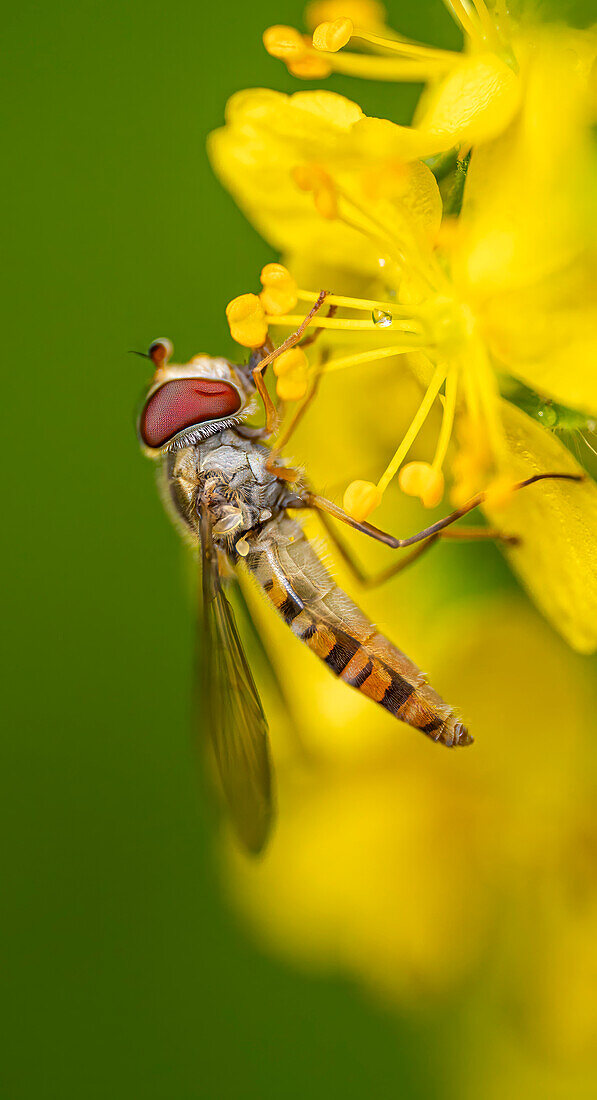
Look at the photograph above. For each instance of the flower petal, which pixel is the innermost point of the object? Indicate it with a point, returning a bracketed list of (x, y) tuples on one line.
[(473, 104), (268, 134), (557, 523), (526, 256)]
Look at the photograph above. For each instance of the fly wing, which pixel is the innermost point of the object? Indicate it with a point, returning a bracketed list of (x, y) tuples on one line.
[(235, 718)]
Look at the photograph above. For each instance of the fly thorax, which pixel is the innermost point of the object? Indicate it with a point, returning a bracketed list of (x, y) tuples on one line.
[(239, 490)]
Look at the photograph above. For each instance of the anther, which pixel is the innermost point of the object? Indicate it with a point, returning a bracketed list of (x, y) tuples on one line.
[(360, 499), (311, 177), (310, 66), (291, 370), (285, 43), (333, 35), (279, 294), (246, 317), (420, 479)]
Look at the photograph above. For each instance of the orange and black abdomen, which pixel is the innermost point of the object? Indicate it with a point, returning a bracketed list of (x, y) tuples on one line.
[(318, 612)]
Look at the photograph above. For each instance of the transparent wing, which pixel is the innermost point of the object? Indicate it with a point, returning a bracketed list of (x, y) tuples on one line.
[(234, 716)]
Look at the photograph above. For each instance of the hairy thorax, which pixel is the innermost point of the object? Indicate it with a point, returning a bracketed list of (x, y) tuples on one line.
[(229, 475)]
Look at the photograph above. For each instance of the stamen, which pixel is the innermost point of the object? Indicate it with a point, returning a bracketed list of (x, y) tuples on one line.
[(247, 320), (422, 68), (332, 36), (311, 177), (291, 370), (346, 324), (310, 66), (485, 19), (360, 499), (279, 294), (417, 422), (283, 42), (419, 479), (488, 396), (368, 357), (447, 419), (460, 11), (368, 305)]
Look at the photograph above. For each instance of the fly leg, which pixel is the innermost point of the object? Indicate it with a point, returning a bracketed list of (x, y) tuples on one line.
[(373, 581), (258, 370), (313, 500), (364, 579), (299, 413)]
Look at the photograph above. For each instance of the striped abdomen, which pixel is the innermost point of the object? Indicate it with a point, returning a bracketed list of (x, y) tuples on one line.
[(287, 568)]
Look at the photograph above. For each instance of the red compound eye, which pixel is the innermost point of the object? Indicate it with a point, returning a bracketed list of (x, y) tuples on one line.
[(183, 402)]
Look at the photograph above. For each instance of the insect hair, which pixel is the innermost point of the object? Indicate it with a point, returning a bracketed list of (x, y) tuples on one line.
[(200, 432)]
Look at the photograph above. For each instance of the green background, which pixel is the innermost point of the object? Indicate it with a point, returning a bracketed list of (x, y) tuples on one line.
[(125, 974)]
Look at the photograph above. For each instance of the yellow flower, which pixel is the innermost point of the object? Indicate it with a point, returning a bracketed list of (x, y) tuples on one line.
[(424, 876), (505, 288), (277, 152), (471, 96)]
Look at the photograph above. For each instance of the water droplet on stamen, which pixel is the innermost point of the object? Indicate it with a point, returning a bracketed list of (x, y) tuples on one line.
[(381, 317)]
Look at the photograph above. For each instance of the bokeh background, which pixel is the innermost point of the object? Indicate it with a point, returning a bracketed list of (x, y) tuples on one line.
[(130, 969)]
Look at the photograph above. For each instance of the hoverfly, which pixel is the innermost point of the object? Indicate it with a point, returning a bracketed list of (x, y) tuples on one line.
[(223, 489)]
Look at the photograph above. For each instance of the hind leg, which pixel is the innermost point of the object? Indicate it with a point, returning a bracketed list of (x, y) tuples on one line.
[(313, 500), (373, 581)]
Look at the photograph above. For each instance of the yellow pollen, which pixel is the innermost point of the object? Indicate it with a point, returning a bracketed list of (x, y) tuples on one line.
[(247, 320), (283, 42), (332, 36), (279, 294), (419, 479), (360, 499)]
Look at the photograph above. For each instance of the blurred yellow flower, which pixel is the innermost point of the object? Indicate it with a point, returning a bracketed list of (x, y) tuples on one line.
[(426, 876)]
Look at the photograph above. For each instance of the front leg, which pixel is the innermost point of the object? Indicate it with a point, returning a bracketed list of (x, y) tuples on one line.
[(271, 416)]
